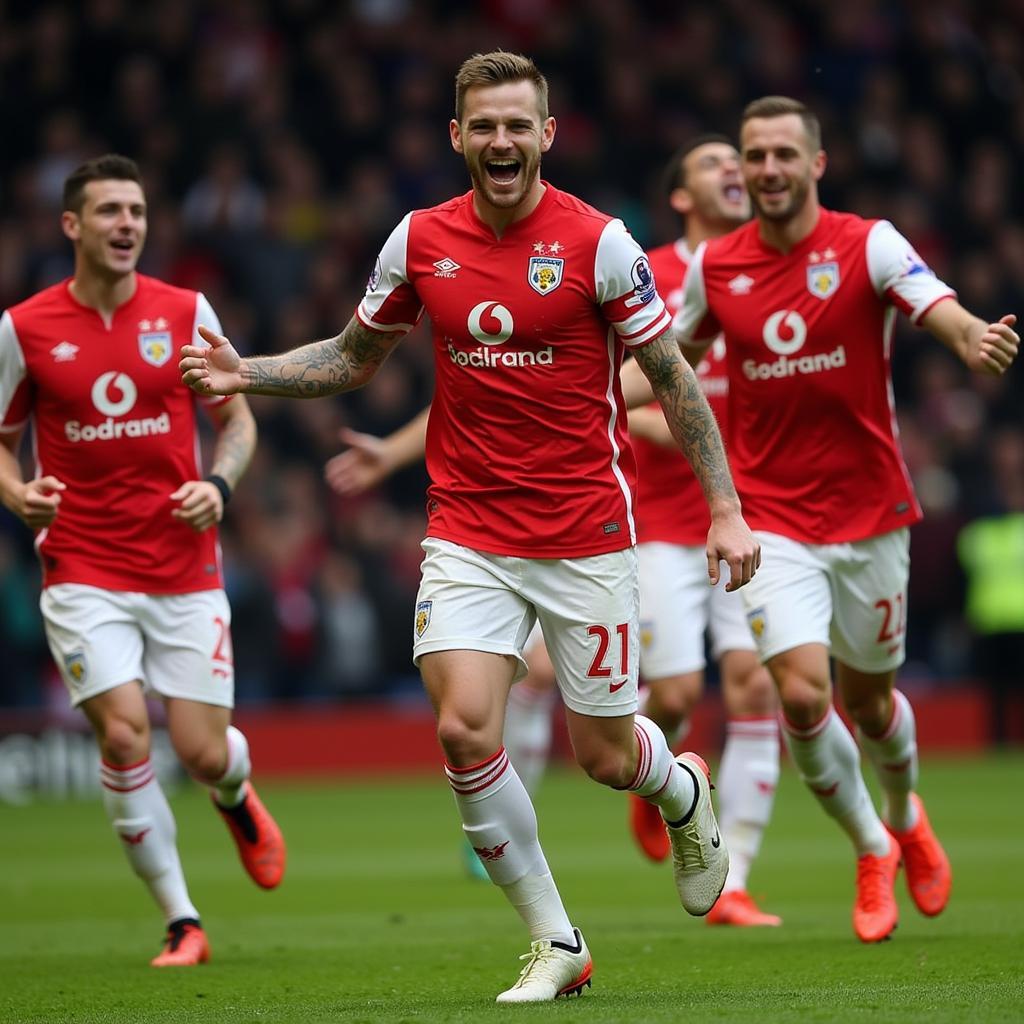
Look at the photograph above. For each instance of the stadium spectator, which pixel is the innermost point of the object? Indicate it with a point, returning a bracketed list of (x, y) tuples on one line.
[(805, 298), (127, 538), (510, 540)]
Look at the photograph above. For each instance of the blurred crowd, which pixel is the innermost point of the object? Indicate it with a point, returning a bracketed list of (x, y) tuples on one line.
[(281, 141)]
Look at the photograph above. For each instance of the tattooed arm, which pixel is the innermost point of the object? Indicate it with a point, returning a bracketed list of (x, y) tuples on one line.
[(236, 439), (693, 425), (327, 367)]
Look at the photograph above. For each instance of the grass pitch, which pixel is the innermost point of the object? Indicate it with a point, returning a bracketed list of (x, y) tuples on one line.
[(376, 920)]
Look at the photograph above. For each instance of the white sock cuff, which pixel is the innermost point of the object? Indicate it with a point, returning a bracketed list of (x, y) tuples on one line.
[(753, 726), (902, 713), (126, 778), (654, 759), (809, 732), (479, 780), (239, 766)]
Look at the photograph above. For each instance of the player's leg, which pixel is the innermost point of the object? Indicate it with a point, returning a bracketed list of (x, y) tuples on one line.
[(748, 774), (97, 645), (528, 727), (471, 626), (589, 610), (673, 615), (868, 644), (188, 662), (790, 610)]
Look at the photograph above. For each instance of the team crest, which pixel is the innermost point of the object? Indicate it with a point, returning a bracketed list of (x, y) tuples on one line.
[(155, 347), (74, 665), (545, 273), (423, 610), (646, 634), (823, 279), (757, 621)]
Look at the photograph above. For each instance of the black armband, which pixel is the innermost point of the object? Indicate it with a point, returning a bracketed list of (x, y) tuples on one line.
[(222, 485)]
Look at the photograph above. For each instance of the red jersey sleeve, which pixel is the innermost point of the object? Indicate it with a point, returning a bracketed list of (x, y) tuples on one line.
[(391, 303)]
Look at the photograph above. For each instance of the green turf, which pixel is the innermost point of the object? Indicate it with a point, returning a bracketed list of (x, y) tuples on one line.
[(376, 921)]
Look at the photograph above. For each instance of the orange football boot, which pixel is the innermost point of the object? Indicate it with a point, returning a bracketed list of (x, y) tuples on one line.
[(259, 840), (737, 907), (185, 945), (874, 911), (648, 827), (929, 876)]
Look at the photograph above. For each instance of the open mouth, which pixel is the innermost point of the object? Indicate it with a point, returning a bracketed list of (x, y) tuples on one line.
[(733, 193), (502, 172), (122, 244)]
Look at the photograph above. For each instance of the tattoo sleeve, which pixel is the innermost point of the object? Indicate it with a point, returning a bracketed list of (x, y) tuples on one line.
[(689, 416), (236, 440), (327, 367)]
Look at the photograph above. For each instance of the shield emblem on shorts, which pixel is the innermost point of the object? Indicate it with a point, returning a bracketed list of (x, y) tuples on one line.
[(646, 635), (74, 665), (823, 279), (545, 273), (757, 621), (423, 616), (155, 347)]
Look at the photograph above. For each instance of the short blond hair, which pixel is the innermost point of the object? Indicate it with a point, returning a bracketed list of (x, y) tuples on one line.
[(496, 68), (779, 106)]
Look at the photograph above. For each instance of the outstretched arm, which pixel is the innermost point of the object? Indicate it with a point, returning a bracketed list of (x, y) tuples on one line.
[(984, 348), (328, 367), (369, 460), (693, 425)]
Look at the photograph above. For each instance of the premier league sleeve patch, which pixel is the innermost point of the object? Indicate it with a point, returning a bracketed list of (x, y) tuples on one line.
[(545, 273)]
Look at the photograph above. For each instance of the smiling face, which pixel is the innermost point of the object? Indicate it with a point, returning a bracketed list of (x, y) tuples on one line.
[(109, 229), (713, 191), (780, 167), (502, 136)]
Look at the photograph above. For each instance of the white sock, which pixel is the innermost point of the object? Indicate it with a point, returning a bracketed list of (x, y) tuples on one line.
[(142, 819), (501, 825), (527, 733), (658, 778), (230, 788), (829, 763), (894, 756), (747, 779)]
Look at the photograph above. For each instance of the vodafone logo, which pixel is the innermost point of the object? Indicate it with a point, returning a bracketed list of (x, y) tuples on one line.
[(790, 323), (114, 394), (113, 383), (497, 316)]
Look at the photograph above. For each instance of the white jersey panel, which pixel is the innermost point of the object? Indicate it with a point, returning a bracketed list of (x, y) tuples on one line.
[(897, 271), (390, 274), (12, 368), (694, 306)]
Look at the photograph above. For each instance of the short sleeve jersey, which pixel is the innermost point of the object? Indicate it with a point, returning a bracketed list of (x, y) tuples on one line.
[(808, 335), (113, 422), (671, 507), (527, 448)]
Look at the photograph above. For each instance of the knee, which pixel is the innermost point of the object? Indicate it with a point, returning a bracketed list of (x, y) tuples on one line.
[(463, 740), (753, 694), (672, 702), (872, 711), (608, 766), (804, 701), (123, 741), (207, 762)]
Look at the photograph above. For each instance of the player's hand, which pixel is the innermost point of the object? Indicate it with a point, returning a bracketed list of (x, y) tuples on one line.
[(214, 370), (362, 466), (201, 504), (730, 541), (37, 501), (998, 347)]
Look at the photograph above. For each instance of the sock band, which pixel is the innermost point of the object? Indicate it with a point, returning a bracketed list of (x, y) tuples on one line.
[(478, 777), (126, 779)]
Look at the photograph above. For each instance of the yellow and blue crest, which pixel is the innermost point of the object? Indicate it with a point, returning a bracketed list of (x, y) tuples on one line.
[(545, 273)]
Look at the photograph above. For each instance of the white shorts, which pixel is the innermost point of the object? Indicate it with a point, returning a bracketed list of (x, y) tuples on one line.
[(178, 645), (588, 609), (851, 597), (677, 604)]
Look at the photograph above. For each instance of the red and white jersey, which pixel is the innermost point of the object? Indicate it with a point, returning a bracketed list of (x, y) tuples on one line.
[(527, 447), (113, 422), (812, 426), (671, 507)]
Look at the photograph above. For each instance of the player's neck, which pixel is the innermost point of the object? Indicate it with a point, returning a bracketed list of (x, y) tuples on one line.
[(102, 292), (499, 218), (786, 235)]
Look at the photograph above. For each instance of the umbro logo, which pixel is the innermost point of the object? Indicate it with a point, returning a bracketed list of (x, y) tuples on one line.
[(446, 267), (741, 285), (65, 352)]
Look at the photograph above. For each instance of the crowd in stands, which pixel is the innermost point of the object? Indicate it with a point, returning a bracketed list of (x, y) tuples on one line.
[(280, 143)]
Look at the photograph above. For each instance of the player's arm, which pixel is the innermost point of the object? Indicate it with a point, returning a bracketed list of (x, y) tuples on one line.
[(202, 501), (984, 348), (34, 502), (693, 425), (328, 367), (369, 460)]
